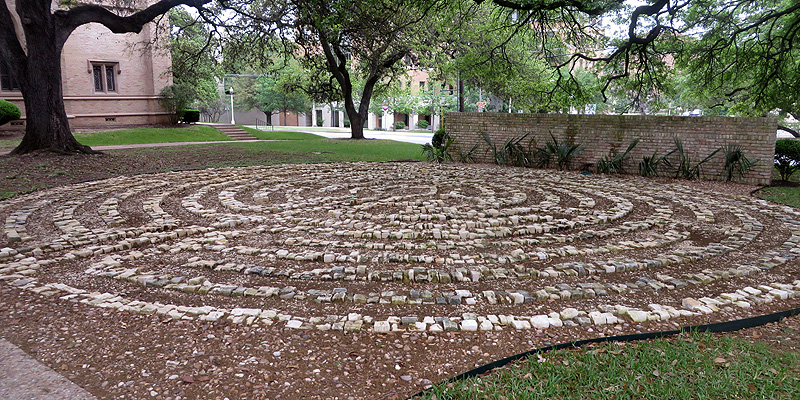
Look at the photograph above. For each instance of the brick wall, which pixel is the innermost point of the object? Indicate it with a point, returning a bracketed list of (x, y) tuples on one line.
[(601, 134)]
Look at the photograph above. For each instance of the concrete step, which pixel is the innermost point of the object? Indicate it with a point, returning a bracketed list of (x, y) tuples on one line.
[(234, 132)]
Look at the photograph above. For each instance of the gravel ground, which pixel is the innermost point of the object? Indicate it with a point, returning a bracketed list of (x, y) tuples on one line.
[(114, 352)]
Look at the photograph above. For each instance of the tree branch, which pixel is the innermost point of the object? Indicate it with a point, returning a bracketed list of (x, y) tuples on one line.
[(790, 130), (68, 20), (11, 51), (586, 7)]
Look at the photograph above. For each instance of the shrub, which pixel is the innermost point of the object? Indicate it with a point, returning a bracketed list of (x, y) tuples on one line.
[(439, 138), (736, 163), (8, 112), (174, 99), (320, 122), (347, 123), (399, 125), (423, 124), (190, 115), (437, 149), (787, 157)]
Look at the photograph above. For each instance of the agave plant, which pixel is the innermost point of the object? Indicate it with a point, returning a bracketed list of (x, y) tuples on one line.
[(736, 163), (613, 163), (497, 155), (684, 168), (469, 155), (563, 151), (515, 153)]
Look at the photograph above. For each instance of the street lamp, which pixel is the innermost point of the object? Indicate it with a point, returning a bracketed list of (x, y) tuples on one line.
[(233, 119)]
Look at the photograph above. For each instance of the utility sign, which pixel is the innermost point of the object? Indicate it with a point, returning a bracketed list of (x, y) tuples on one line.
[(385, 107), (481, 105)]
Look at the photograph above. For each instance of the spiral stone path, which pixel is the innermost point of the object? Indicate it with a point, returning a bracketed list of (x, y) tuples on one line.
[(398, 247)]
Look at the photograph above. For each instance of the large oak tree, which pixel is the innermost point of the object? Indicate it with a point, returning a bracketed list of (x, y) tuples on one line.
[(32, 36)]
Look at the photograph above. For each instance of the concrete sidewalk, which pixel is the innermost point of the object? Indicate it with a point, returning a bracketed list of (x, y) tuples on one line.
[(24, 378)]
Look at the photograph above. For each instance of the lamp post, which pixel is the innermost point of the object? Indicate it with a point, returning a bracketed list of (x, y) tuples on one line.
[(233, 119)]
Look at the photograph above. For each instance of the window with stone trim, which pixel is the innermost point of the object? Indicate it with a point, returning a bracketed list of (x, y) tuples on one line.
[(104, 76), (7, 82)]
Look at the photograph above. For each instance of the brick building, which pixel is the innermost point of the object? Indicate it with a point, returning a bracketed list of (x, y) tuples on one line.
[(109, 80)]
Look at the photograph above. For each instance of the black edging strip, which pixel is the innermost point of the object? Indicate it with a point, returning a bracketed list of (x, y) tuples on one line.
[(729, 326)]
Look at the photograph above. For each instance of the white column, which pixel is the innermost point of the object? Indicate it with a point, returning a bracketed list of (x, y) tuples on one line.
[(371, 118), (388, 120), (412, 121)]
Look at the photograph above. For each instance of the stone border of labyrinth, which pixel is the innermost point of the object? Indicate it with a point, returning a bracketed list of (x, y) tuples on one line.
[(521, 236)]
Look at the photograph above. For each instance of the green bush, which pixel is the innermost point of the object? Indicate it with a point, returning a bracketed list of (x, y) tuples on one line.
[(190, 115), (399, 125), (787, 157), (423, 124), (8, 112), (439, 138), (320, 122), (174, 99)]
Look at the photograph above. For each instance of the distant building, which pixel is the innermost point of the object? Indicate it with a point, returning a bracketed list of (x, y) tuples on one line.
[(110, 80)]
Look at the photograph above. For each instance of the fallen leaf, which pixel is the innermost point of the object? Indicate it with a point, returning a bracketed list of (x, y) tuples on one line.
[(187, 379), (527, 376), (720, 360), (751, 387), (773, 371), (656, 373)]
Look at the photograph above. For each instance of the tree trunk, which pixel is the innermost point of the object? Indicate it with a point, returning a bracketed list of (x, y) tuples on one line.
[(39, 77), (460, 94), (356, 126), (46, 124)]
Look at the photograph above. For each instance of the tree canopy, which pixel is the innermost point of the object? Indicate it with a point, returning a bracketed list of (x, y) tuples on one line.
[(741, 53)]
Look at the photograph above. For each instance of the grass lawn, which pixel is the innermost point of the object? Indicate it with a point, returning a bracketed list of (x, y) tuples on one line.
[(696, 366), (195, 133), (321, 149), (25, 174), (788, 195)]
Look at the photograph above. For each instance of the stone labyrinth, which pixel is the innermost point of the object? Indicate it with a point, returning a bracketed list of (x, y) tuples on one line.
[(402, 247)]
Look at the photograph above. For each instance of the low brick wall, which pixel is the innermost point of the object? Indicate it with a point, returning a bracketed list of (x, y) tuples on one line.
[(601, 134)]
